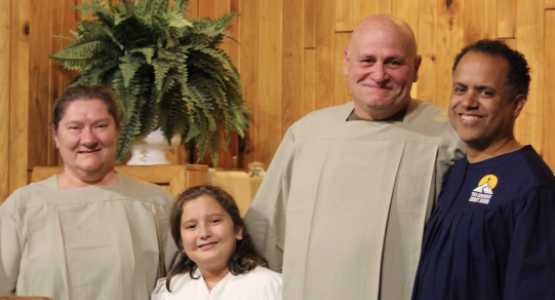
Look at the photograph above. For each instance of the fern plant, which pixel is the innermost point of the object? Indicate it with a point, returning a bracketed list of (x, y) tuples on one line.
[(166, 71)]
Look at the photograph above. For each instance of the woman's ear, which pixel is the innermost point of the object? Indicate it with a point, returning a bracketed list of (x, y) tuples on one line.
[(239, 233)]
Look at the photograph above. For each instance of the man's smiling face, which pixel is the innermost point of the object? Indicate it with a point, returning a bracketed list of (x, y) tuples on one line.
[(480, 110)]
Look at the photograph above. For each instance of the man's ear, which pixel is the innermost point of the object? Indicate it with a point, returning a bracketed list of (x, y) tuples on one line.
[(518, 104), (346, 65), (417, 62)]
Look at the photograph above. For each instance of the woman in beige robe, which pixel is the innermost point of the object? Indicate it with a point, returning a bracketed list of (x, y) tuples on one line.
[(88, 233)]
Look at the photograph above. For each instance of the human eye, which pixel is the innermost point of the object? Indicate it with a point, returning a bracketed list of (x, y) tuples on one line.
[(189, 226), (488, 93), (215, 221), (457, 89), (394, 63)]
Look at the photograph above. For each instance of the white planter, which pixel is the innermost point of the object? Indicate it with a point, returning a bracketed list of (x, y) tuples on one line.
[(151, 149)]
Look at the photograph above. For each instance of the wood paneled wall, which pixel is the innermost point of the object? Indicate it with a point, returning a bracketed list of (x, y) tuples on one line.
[(290, 55)]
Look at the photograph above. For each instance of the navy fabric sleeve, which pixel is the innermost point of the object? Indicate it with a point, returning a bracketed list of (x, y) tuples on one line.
[(531, 265)]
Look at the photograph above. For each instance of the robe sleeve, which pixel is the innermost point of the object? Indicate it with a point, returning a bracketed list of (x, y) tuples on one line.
[(10, 253), (265, 219), (531, 265)]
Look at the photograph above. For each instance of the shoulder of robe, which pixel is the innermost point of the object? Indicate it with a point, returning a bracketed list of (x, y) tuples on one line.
[(11, 204), (321, 119), (145, 190), (433, 121)]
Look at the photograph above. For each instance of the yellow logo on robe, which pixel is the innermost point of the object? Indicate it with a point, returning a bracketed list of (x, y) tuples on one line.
[(484, 191)]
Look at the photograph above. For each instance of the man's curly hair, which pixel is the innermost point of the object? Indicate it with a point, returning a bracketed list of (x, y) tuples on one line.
[(517, 80)]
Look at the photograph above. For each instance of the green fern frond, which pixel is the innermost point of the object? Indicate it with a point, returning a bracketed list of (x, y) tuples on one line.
[(165, 70), (147, 52), (129, 66)]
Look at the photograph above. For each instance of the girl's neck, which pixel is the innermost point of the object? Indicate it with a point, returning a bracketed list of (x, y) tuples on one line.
[(213, 277)]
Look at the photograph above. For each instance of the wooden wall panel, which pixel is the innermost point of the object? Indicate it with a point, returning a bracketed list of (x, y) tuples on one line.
[(19, 94), (325, 66), (342, 93), (290, 59), (270, 80), (309, 29), (506, 18), (248, 66), (346, 14), (309, 95), (490, 23), (426, 42), (40, 147), (473, 21), (530, 41), (292, 62), (549, 104), (450, 40), (5, 39)]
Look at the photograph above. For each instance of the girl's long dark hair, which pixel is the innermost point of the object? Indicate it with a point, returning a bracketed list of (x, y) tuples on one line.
[(244, 259)]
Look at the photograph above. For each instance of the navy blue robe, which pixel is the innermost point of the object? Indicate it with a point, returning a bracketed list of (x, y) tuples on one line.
[(492, 234)]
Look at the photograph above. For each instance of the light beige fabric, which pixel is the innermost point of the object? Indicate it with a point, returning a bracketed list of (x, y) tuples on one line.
[(343, 205), (101, 242)]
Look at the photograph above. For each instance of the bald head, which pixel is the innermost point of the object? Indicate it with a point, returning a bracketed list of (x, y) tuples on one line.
[(381, 64), (386, 23)]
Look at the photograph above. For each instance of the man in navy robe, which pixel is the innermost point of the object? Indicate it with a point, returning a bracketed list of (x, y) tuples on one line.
[(492, 234)]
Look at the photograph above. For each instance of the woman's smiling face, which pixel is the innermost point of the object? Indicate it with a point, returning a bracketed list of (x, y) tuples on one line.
[(87, 139)]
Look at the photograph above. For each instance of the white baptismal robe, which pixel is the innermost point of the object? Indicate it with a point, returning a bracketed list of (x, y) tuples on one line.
[(258, 284)]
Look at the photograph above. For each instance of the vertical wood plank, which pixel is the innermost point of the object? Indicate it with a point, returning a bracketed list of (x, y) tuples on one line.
[(405, 9), (342, 94), (549, 4), (506, 15), (548, 104), (346, 14), (530, 42), (308, 81), (368, 8), (5, 40), (192, 11), (206, 8), (426, 41), (248, 66), (19, 94), (270, 80), (449, 42), (490, 19), (39, 85), (222, 7), (325, 65), (385, 6), (292, 61), (473, 21), (309, 28)]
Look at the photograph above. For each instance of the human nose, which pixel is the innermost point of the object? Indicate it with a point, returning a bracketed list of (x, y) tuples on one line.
[(379, 73), (469, 100), (205, 232), (88, 137)]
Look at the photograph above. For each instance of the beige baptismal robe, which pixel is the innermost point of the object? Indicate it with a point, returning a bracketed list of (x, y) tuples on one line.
[(99, 242), (342, 208)]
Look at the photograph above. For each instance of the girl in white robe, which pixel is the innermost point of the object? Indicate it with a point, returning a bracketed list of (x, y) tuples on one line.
[(216, 258)]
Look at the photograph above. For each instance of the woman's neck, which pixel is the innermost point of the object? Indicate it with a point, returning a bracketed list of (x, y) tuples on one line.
[(67, 180), (213, 277)]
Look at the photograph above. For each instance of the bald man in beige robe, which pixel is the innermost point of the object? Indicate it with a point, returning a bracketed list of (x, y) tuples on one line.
[(342, 208)]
